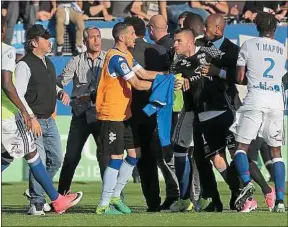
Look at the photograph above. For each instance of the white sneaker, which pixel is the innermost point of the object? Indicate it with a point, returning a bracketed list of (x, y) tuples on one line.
[(36, 209), (279, 208), (46, 206)]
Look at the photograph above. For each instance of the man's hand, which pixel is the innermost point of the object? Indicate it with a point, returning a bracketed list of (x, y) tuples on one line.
[(36, 127), (64, 98), (186, 85), (53, 11), (210, 70), (27, 120), (178, 83)]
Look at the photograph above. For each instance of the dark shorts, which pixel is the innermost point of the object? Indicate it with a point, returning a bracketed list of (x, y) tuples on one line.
[(116, 136), (216, 134)]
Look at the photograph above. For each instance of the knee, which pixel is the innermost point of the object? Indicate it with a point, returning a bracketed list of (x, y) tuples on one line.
[(276, 152), (219, 162), (135, 153), (243, 147), (31, 155)]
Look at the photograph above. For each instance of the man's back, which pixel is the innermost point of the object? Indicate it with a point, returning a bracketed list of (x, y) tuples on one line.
[(265, 59)]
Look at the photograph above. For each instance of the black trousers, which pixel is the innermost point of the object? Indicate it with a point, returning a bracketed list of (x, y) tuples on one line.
[(147, 164), (205, 168), (78, 135)]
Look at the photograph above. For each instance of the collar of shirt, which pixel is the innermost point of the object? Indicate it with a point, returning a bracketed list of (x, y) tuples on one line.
[(218, 42), (164, 38), (101, 56)]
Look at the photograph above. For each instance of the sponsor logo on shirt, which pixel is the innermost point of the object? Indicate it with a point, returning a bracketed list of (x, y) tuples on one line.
[(266, 87), (124, 68)]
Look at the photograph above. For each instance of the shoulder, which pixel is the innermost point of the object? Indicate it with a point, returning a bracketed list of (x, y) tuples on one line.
[(8, 50), (230, 45), (22, 65)]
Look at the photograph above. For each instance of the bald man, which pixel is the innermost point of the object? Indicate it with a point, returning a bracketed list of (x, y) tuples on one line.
[(158, 32), (157, 28)]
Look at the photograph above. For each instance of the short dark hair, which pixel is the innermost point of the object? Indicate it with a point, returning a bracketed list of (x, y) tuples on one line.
[(194, 22), (265, 22), (180, 30), (138, 25), (118, 29), (184, 14)]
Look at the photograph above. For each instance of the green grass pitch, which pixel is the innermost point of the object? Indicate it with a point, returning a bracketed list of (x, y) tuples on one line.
[(14, 207)]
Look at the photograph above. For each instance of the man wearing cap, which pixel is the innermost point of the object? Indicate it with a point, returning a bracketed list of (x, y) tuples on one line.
[(35, 81)]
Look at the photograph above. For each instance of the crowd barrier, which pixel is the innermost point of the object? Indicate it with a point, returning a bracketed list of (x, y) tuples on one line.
[(88, 169)]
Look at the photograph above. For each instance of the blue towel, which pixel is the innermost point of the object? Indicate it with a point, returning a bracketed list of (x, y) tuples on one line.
[(161, 102)]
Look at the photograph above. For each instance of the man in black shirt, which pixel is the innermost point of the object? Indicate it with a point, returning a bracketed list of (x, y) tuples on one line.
[(206, 96), (151, 57), (157, 28)]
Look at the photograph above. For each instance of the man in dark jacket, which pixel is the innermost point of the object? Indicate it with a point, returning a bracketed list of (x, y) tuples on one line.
[(151, 57)]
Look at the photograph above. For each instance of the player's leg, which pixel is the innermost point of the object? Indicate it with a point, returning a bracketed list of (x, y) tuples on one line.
[(6, 159), (131, 144), (112, 140), (217, 136), (26, 148), (209, 192), (256, 174), (182, 138), (245, 129), (267, 159), (273, 135)]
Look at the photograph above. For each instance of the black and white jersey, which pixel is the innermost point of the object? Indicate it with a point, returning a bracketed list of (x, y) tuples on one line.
[(206, 92)]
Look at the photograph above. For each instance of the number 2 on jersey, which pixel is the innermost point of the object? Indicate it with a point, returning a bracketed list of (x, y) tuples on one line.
[(272, 64)]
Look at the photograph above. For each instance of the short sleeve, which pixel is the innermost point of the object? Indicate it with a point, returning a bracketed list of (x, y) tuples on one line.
[(243, 55), (136, 66), (118, 66), (9, 59)]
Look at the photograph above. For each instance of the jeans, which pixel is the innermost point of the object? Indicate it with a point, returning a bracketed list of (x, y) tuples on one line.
[(173, 12), (50, 151)]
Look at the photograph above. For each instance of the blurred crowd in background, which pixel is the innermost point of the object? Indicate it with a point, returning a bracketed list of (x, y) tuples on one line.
[(76, 12)]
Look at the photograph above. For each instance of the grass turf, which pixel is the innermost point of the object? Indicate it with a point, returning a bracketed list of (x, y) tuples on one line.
[(14, 207)]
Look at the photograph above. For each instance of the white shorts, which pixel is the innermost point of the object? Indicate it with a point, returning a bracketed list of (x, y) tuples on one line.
[(183, 133), (267, 124), (16, 139)]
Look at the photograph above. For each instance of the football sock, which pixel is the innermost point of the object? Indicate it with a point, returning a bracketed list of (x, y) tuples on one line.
[(279, 177), (258, 177), (182, 169), (109, 181), (125, 173), (242, 166), (39, 172)]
